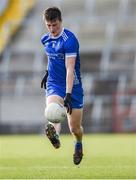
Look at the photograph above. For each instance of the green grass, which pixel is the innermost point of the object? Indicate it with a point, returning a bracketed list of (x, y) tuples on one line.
[(33, 157)]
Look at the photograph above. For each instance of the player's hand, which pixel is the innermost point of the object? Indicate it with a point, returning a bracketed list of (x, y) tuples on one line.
[(44, 80), (67, 103)]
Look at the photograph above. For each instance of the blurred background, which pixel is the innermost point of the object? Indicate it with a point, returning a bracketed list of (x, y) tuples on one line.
[(106, 30)]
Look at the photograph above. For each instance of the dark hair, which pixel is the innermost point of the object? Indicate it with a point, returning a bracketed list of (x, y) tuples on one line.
[(52, 14)]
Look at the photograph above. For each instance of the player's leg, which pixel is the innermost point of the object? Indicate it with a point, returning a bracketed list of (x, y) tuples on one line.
[(53, 129), (76, 129), (75, 123)]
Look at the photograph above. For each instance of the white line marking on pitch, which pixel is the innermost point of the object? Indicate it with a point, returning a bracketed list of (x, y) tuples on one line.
[(64, 167)]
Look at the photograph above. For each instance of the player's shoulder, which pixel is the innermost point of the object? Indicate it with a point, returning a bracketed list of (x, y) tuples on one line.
[(45, 38), (67, 34)]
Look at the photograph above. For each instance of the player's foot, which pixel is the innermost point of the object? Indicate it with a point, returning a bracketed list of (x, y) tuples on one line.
[(78, 154), (52, 135)]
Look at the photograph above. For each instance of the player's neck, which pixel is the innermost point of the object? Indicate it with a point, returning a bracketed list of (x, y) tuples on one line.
[(59, 33)]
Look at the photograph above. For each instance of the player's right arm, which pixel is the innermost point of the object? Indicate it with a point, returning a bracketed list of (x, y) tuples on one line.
[(44, 39)]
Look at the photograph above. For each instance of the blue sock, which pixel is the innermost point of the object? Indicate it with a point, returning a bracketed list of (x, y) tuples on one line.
[(78, 145)]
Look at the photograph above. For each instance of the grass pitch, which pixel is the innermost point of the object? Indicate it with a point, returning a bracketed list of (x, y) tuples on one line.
[(33, 157)]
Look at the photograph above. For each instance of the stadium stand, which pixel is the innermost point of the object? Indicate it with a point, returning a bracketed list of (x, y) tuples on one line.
[(107, 33), (11, 19)]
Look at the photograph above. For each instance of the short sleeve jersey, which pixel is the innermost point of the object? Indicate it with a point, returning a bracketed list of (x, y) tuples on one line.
[(57, 50)]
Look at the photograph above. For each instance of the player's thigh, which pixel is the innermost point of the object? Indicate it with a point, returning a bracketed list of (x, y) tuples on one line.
[(54, 98), (75, 119)]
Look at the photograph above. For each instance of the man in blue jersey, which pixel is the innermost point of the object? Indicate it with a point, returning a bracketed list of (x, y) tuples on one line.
[(62, 79)]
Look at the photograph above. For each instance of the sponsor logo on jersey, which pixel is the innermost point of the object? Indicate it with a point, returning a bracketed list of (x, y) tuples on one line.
[(55, 56)]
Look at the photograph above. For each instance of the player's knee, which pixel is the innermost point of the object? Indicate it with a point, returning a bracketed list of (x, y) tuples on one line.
[(74, 130)]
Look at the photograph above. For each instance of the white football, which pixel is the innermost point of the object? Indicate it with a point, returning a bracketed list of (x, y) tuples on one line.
[(55, 113)]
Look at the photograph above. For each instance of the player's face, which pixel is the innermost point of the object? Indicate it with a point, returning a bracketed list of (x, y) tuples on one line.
[(54, 27)]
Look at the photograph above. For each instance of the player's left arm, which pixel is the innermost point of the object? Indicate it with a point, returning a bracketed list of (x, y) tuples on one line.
[(70, 66), (71, 49)]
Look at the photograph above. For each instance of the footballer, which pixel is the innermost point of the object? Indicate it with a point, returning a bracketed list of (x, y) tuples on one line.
[(62, 81)]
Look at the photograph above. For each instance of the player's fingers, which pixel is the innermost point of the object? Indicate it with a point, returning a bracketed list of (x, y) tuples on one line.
[(70, 110), (44, 85), (41, 84), (65, 104), (67, 109)]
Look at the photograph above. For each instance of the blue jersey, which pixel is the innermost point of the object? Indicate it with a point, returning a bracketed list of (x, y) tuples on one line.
[(58, 49)]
